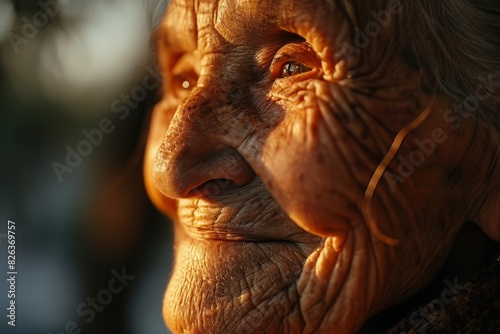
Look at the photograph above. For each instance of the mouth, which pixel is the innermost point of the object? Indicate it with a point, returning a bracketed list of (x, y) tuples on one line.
[(249, 215), (211, 222), (236, 238)]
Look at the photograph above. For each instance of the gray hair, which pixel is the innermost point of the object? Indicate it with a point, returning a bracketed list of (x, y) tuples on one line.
[(459, 42)]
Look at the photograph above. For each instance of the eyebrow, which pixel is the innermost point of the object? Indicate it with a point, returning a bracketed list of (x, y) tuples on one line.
[(248, 25)]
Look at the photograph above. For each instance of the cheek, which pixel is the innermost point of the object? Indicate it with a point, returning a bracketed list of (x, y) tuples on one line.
[(309, 178), (318, 160), (315, 161)]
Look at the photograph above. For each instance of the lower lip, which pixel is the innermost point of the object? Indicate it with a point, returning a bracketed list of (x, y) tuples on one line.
[(237, 241), (229, 253), (244, 250)]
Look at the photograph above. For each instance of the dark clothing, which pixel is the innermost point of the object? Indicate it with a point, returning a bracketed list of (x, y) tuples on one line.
[(468, 307)]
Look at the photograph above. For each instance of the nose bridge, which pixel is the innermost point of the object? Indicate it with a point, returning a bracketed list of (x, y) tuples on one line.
[(207, 101), (211, 113), (199, 145), (194, 126)]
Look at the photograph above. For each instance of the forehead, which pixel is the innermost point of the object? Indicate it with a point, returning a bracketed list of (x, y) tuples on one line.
[(237, 22)]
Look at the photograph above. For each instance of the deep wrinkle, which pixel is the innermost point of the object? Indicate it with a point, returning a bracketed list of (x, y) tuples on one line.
[(249, 155)]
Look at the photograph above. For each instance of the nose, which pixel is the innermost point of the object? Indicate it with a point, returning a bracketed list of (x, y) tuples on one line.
[(196, 159)]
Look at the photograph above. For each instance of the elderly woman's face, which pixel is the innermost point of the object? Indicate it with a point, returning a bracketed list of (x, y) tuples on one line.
[(275, 117)]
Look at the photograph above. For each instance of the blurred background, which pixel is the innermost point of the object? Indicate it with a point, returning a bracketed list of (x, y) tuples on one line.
[(78, 79)]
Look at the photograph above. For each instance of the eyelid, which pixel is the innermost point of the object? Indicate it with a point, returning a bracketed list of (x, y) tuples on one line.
[(281, 59)]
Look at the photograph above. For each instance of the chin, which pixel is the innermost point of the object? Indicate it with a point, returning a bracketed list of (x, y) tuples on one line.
[(235, 286)]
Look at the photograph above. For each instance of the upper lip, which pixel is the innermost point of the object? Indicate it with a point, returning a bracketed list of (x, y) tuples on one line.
[(244, 215)]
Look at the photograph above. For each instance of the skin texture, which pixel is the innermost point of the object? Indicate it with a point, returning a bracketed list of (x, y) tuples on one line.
[(264, 160)]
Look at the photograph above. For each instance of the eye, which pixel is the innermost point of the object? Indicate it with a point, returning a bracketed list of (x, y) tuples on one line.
[(293, 68), (294, 59), (183, 76), (182, 83)]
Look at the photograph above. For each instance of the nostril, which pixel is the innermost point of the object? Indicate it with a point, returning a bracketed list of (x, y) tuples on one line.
[(213, 188), (215, 176)]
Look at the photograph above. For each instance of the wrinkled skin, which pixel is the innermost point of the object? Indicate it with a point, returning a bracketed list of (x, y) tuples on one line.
[(264, 170)]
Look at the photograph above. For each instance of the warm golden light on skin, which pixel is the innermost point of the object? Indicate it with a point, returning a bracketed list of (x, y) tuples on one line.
[(269, 150)]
